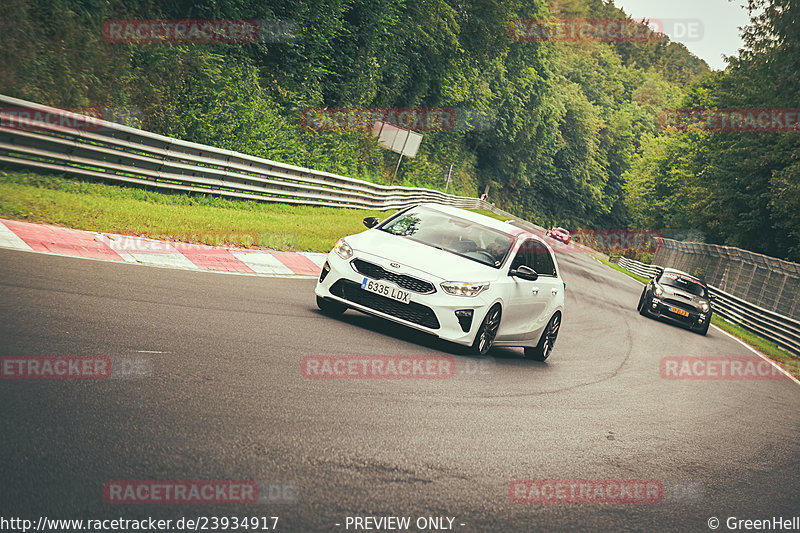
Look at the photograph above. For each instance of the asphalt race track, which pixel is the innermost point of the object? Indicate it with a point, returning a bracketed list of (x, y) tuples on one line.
[(223, 398)]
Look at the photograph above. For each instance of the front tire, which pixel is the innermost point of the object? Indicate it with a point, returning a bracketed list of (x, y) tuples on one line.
[(329, 307), (487, 331), (643, 303), (704, 330), (542, 350)]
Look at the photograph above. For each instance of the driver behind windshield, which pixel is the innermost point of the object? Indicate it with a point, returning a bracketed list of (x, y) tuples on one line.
[(498, 250), (449, 240), (455, 238), (679, 282)]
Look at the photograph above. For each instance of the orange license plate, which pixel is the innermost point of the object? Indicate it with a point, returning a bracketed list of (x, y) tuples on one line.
[(679, 311)]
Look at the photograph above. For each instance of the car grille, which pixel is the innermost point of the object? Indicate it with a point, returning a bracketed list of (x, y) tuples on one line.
[(412, 311), (378, 272), (681, 304)]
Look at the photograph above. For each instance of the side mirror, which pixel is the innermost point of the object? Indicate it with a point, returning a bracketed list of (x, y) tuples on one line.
[(371, 222), (524, 272)]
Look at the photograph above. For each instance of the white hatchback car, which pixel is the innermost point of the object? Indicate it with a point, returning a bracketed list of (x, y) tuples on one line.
[(459, 275)]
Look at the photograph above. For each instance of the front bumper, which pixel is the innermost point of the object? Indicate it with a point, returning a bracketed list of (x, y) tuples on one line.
[(695, 320), (433, 313)]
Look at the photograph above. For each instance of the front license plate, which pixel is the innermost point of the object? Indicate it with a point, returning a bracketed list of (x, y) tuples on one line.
[(384, 289), (679, 311)]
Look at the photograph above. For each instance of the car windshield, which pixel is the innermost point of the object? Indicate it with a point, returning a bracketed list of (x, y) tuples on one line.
[(451, 233), (685, 284)]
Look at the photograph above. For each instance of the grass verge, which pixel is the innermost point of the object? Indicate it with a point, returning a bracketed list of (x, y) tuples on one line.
[(618, 268), (786, 359), (94, 206), (195, 218), (489, 214)]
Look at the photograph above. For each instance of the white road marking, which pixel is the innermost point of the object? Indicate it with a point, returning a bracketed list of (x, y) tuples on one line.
[(164, 261), (9, 239), (761, 355), (315, 257), (262, 262)]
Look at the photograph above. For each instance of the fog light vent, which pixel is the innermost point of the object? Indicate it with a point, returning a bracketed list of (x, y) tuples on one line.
[(326, 268), (465, 319)]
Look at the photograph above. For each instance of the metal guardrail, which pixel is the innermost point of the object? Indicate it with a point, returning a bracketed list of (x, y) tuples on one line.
[(782, 330), (112, 151), (636, 267)]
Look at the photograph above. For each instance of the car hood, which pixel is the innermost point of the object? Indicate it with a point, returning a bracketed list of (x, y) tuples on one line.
[(682, 296), (444, 265)]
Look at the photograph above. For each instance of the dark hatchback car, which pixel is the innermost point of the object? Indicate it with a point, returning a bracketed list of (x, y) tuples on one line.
[(681, 298)]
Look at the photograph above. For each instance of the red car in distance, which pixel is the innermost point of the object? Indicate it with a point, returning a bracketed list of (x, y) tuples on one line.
[(559, 233)]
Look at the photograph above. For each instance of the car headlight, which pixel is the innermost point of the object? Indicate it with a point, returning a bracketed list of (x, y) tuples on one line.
[(658, 291), (343, 249), (704, 307), (458, 288)]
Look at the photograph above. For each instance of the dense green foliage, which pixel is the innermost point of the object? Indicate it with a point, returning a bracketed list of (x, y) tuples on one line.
[(739, 188), (568, 120)]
